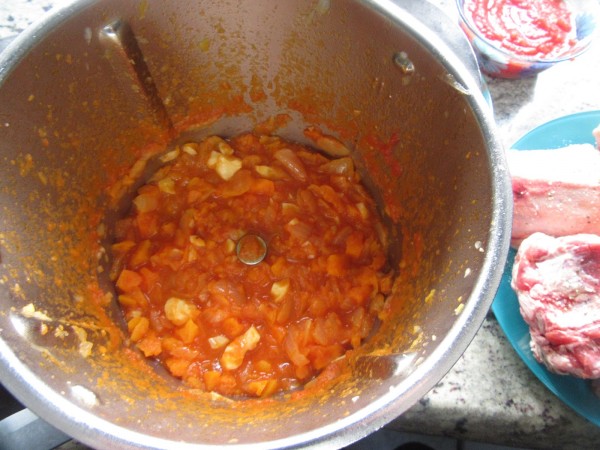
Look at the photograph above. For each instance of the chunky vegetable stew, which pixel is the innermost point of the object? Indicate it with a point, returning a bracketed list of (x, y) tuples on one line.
[(247, 266)]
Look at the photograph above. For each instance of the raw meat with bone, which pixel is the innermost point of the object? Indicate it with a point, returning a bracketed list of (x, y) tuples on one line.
[(557, 281)]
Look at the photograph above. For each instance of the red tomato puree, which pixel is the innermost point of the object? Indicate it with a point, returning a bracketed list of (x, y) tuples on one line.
[(200, 294), (531, 28)]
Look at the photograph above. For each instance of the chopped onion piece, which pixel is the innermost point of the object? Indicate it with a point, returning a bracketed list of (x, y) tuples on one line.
[(291, 163), (270, 173), (234, 353), (170, 156), (197, 241), (363, 210), (167, 185), (190, 149), (226, 166), (179, 311), (279, 289), (341, 166), (219, 341)]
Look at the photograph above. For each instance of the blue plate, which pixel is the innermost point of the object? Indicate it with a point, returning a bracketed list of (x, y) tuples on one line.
[(574, 392)]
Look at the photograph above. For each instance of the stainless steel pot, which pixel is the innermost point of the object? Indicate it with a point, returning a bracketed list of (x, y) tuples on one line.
[(95, 92)]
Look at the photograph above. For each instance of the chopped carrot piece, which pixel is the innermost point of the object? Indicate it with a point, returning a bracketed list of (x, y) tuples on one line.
[(302, 372), (355, 244), (270, 388), (178, 367), (211, 379), (256, 388), (262, 186), (128, 280), (170, 344), (127, 300), (360, 294), (261, 388), (150, 345), (337, 265), (188, 332), (138, 327), (141, 255), (147, 224), (120, 248), (232, 327), (150, 278), (139, 297)]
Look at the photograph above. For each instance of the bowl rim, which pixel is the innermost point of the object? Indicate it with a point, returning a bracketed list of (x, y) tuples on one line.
[(594, 12)]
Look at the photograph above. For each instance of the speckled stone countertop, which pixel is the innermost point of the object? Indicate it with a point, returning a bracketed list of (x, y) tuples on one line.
[(490, 395)]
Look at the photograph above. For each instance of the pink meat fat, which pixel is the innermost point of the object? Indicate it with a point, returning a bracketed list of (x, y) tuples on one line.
[(557, 281), (556, 192)]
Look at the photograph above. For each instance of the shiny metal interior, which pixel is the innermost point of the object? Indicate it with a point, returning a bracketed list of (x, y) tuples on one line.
[(91, 94)]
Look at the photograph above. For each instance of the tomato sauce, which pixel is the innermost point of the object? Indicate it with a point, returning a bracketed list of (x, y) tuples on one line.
[(247, 266), (542, 29)]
